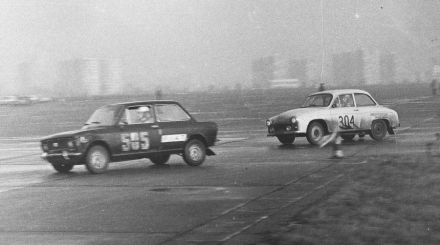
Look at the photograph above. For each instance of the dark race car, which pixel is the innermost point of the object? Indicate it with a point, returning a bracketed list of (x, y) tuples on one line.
[(134, 130)]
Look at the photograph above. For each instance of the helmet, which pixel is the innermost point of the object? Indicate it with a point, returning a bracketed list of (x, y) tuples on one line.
[(143, 109)]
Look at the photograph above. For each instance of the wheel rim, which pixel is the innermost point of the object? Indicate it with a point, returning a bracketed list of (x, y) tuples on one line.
[(316, 133), (378, 129), (195, 153), (98, 160)]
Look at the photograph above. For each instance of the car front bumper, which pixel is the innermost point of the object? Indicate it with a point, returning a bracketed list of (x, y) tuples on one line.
[(65, 156), (282, 129)]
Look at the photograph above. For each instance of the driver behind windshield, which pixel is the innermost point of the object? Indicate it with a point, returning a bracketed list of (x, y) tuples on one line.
[(144, 115)]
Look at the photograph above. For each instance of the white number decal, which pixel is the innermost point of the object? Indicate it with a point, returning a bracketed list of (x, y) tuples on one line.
[(145, 141), (346, 122), (134, 137), (125, 138), (135, 141)]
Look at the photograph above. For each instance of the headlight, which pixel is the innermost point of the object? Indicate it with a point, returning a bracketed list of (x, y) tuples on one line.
[(81, 140), (293, 120), (268, 123), (70, 143), (45, 147)]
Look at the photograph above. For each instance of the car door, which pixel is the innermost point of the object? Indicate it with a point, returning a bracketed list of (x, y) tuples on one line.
[(365, 106), (345, 114), (137, 137), (175, 125)]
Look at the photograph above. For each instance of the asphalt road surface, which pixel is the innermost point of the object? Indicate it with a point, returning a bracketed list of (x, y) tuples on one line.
[(233, 198)]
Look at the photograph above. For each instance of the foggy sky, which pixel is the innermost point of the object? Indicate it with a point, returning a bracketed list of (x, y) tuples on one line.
[(205, 41)]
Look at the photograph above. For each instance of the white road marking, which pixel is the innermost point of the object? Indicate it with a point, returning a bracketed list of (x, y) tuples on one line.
[(428, 119), (223, 141), (403, 129)]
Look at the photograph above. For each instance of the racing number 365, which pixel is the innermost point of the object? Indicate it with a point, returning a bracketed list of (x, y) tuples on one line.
[(346, 121), (135, 141)]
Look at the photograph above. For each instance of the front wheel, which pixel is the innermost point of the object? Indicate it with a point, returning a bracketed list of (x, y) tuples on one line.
[(160, 159), (287, 139), (315, 132), (194, 153), (97, 159), (378, 130), (62, 167)]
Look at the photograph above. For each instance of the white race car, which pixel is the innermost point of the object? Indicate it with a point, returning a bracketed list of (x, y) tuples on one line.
[(350, 111)]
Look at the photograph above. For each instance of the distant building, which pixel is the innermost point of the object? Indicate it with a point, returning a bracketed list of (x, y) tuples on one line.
[(89, 77), (111, 77), (348, 68), (285, 83), (387, 67), (297, 69), (262, 71), (276, 71)]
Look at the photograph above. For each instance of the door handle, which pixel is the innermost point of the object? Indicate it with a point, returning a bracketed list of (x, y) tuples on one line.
[(356, 109), (154, 126)]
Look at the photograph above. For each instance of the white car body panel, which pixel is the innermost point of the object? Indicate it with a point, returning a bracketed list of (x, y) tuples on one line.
[(347, 119)]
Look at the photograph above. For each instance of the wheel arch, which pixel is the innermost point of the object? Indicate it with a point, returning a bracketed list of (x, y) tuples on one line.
[(322, 122), (101, 143), (387, 123), (199, 137)]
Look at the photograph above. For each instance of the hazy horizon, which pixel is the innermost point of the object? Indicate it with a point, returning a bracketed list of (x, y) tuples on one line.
[(207, 42)]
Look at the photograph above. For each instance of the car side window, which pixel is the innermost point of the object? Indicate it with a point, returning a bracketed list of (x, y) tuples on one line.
[(171, 113), (336, 103), (346, 100), (364, 100), (139, 114)]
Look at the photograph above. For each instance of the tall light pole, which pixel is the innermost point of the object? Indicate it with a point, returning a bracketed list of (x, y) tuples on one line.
[(322, 41)]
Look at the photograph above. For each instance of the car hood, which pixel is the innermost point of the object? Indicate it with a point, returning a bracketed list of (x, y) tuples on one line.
[(285, 117), (71, 133)]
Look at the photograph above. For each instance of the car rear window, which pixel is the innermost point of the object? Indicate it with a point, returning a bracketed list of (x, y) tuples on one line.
[(171, 113), (364, 100)]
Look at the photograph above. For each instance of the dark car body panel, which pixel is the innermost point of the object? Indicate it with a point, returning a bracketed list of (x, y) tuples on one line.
[(128, 141)]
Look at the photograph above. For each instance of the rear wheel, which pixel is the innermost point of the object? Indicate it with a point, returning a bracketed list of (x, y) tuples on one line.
[(287, 139), (378, 130), (315, 132), (97, 159), (348, 137), (194, 153), (62, 167), (160, 159)]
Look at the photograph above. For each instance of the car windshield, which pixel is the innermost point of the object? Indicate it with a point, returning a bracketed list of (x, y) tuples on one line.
[(318, 100), (104, 116)]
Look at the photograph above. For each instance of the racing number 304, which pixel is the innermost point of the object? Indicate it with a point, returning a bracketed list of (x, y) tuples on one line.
[(135, 141), (346, 121)]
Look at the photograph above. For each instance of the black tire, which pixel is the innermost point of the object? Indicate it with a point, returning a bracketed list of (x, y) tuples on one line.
[(287, 139), (160, 159), (62, 167), (97, 159), (315, 132), (378, 130), (348, 137), (194, 153)]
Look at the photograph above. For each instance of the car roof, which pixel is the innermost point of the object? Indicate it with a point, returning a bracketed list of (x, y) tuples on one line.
[(132, 103), (341, 91)]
